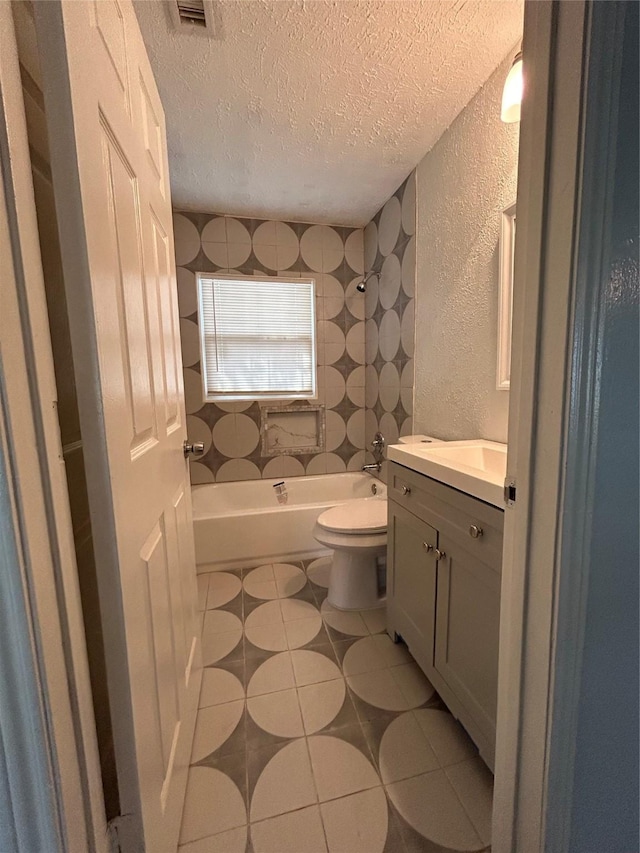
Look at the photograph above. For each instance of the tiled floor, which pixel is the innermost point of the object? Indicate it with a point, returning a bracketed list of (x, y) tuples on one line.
[(316, 734)]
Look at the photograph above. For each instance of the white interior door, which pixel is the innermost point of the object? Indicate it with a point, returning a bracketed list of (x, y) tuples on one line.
[(110, 175)]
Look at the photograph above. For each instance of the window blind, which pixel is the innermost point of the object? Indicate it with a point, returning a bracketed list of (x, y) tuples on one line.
[(257, 338)]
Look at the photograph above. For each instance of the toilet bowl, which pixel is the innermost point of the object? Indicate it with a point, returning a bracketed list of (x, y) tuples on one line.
[(357, 533)]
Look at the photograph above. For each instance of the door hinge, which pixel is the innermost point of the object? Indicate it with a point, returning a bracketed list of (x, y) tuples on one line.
[(509, 492), (112, 836), (117, 834)]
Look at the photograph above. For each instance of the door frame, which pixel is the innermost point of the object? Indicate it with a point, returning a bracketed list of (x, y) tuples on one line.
[(552, 419), (49, 713), (547, 165), (78, 127), (556, 38)]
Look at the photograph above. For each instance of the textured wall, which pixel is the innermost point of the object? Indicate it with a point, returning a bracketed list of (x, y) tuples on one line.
[(463, 184), (390, 250), (334, 257)]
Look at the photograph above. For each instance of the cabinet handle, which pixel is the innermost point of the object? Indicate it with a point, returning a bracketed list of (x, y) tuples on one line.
[(440, 555), (428, 548), (475, 532), (406, 490)]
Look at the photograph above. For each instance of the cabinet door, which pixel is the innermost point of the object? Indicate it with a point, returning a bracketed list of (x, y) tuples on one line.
[(467, 632), (411, 583)]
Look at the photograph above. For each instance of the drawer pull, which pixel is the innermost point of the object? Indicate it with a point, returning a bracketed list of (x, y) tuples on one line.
[(406, 490), (428, 548), (440, 555), (475, 532)]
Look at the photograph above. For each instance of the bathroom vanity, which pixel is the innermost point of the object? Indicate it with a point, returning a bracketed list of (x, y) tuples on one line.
[(443, 588)]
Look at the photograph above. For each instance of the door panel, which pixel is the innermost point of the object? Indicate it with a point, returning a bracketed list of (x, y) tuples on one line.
[(161, 639), (163, 272), (110, 177), (153, 134), (108, 19), (467, 632), (411, 585), (126, 262), (184, 549)]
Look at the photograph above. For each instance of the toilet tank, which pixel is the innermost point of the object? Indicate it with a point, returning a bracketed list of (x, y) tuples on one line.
[(419, 439)]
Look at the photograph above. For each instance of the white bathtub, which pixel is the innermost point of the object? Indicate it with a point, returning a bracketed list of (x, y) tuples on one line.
[(237, 524)]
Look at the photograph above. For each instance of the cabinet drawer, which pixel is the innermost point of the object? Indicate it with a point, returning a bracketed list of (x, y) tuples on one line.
[(450, 511), (408, 489)]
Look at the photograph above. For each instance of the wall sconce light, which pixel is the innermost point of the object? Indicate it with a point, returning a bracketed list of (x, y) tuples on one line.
[(512, 92)]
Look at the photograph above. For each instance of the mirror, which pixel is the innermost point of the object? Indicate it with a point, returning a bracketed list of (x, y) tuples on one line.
[(505, 297)]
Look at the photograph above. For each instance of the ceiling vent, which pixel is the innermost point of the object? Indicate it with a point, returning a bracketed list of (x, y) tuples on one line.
[(192, 15)]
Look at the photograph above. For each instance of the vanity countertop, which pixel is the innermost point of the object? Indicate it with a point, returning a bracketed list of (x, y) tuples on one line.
[(476, 467)]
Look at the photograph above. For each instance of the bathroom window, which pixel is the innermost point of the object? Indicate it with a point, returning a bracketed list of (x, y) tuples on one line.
[(258, 337)]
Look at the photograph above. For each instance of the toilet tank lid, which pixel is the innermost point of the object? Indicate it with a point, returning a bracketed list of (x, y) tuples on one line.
[(366, 515), (419, 439)]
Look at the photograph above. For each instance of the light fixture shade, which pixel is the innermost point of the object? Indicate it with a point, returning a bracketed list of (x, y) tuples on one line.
[(512, 92)]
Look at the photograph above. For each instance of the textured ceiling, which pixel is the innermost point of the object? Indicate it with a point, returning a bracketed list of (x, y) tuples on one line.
[(314, 110)]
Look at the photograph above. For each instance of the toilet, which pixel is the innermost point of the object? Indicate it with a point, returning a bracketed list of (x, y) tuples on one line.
[(356, 531)]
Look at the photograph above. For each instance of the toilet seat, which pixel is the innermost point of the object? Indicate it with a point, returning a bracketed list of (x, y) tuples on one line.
[(365, 516), (356, 531)]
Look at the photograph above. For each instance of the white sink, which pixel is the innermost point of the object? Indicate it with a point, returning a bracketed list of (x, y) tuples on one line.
[(477, 467)]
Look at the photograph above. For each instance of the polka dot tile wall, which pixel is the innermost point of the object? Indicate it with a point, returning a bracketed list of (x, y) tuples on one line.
[(334, 256), (389, 250)]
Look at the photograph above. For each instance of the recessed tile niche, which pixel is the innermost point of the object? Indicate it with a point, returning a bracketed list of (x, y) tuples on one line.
[(292, 430)]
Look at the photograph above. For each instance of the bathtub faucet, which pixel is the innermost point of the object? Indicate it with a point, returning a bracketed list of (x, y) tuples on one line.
[(378, 445)]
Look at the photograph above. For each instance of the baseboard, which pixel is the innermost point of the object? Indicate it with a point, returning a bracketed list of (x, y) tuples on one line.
[(251, 562)]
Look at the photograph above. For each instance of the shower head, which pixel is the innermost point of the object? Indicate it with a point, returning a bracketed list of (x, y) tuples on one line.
[(362, 286)]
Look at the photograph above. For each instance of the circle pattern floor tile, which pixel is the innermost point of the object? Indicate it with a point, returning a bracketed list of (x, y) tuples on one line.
[(354, 623), (405, 751), (321, 786), (274, 580), (384, 674), (231, 841), (319, 769), (223, 588), (426, 754), (321, 703), (221, 633), (319, 571), (286, 783), (279, 625), (214, 726), (218, 687), (374, 653), (339, 768), (284, 833), (357, 823), (277, 713), (430, 805), (206, 788), (298, 668)]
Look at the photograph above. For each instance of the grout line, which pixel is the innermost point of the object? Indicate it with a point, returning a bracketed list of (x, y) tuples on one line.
[(459, 798), (292, 811), (360, 721), (315, 785), (352, 794)]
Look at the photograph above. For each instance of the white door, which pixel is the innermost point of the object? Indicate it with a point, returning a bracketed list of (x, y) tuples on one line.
[(110, 175)]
